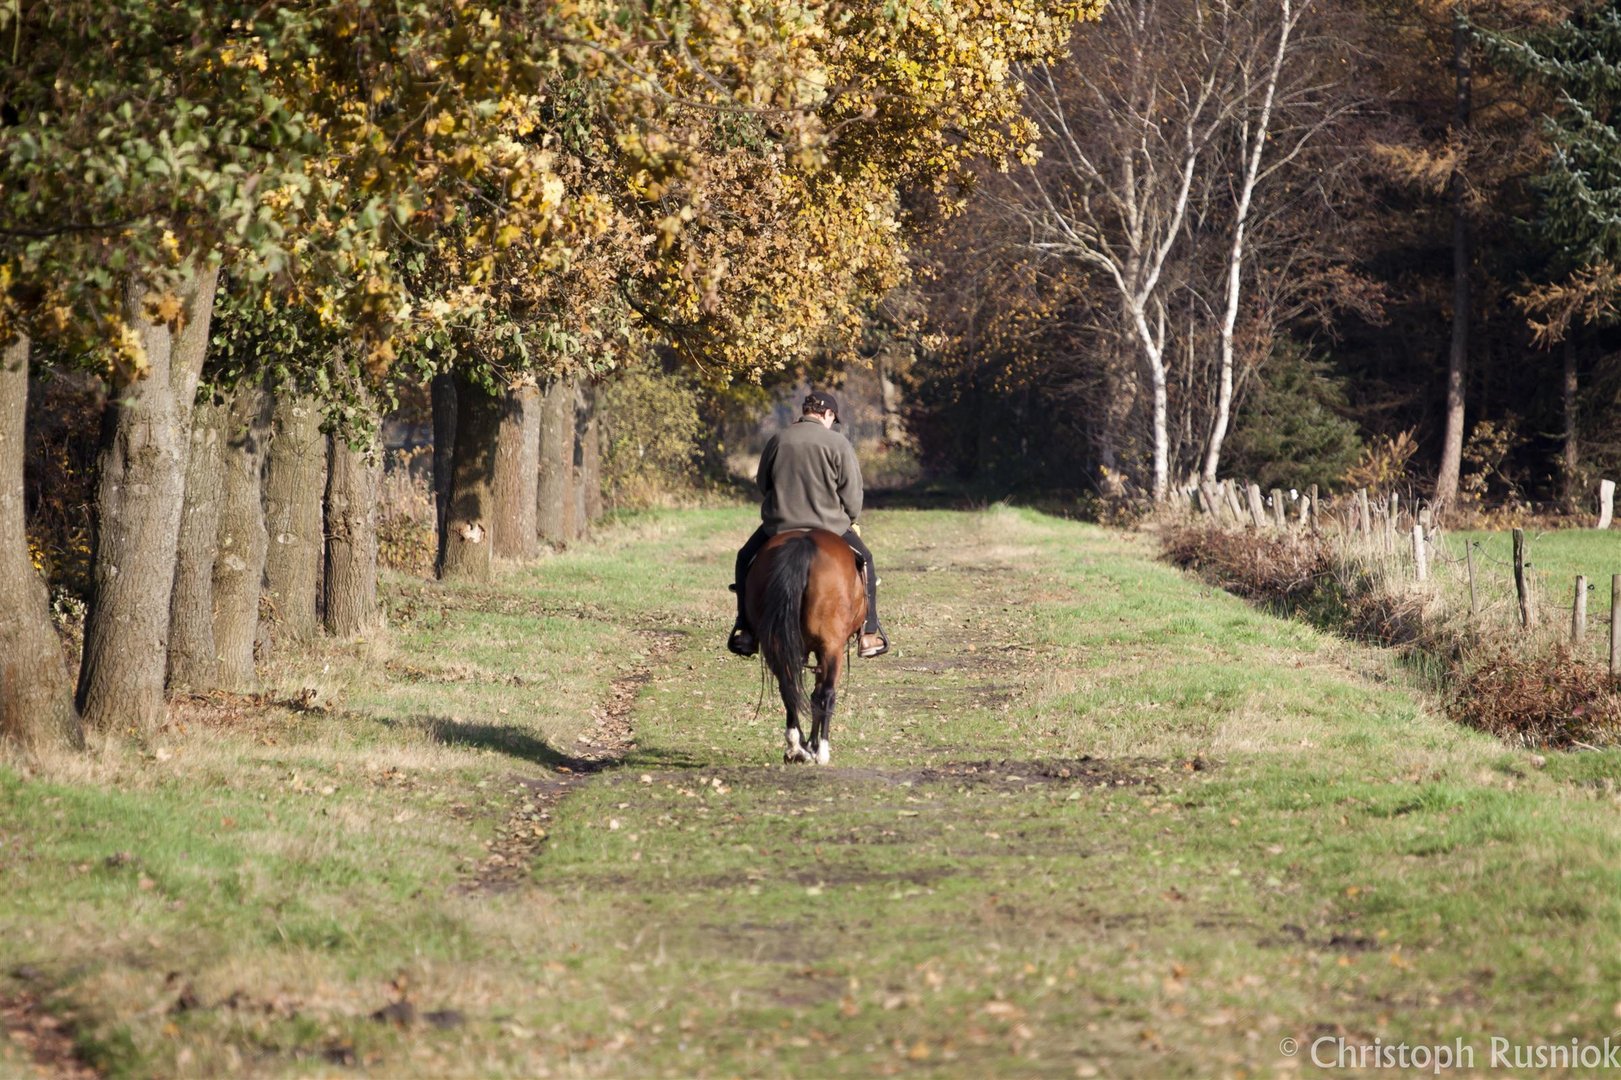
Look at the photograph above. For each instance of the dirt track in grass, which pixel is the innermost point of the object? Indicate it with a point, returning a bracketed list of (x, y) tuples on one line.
[(1088, 818)]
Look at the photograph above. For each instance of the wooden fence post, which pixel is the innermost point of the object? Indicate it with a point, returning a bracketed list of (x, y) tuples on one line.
[(1233, 502), (1257, 509), (1278, 519), (1615, 626), (1420, 562), (1606, 502), (1469, 560), (1367, 515), (1578, 612), (1522, 587)]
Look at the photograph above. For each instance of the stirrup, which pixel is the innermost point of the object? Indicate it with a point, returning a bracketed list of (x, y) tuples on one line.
[(870, 649)]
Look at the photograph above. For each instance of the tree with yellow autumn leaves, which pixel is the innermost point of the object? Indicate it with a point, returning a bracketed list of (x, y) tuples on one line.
[(509, 194)]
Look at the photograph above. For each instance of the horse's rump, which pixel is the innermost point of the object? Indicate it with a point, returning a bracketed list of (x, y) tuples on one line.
[(803, 595)]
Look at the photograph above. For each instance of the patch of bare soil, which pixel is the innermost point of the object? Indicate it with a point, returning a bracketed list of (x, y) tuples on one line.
[(519, 839), (47, 1038), (1004, 775)]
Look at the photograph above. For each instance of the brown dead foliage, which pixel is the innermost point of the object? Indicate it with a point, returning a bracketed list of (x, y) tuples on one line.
[(1257, 565), (44, 1035), (1551, 699)]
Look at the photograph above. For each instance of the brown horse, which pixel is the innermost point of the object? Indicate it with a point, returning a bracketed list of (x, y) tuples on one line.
[(804, 595)]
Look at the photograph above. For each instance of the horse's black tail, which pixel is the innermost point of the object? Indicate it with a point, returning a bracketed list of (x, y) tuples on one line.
[(781, 633)]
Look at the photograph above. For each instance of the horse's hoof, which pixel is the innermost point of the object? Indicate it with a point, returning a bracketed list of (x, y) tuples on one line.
[(824, 753)]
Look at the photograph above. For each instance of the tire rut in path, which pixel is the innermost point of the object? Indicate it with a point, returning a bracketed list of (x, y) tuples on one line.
[(518, 841)]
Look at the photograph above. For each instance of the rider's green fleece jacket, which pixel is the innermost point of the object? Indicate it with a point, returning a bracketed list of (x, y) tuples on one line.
[(810, 478)]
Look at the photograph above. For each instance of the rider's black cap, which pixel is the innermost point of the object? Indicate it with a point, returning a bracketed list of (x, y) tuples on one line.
[(821, 401)]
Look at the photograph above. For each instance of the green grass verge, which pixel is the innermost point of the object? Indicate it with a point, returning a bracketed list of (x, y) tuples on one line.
[(1089, 817)]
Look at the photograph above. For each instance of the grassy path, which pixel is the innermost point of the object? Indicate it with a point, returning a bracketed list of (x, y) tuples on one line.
[(1088, 818)]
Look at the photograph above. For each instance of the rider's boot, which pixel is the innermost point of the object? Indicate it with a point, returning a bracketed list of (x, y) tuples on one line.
[(874, 642), (741, 640)]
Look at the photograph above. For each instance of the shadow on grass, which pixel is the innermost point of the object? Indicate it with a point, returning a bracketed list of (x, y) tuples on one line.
[(498, 738), (526, 746)]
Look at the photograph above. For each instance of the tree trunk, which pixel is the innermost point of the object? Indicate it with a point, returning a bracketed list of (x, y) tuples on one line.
[(517, 465), (139, 497), (556, 479), (592, 454), (36, 690), (579, 519), (1572, 458), (192, 657), (889, 399), (1446, 481), (444, 454), (350, 582), (293, 487), (466, 552), (1254, 148), (239, 567), (1152, 341)]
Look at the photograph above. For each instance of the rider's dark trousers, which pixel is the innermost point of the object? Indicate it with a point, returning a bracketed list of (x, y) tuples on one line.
[(752, 547)]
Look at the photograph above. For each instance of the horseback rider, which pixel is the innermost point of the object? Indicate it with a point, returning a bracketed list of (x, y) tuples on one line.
[(810, 479)]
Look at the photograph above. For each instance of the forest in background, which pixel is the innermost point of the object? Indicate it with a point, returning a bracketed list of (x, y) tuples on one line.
[(1340, 241), (1102, 251)]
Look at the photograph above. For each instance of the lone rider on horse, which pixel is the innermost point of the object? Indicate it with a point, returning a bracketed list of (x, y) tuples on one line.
[(810, 479)]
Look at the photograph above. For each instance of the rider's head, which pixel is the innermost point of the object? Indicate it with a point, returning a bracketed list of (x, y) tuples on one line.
[(822, 406)]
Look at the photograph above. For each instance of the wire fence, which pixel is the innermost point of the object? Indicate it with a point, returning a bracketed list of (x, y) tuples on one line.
[(1457, 579)]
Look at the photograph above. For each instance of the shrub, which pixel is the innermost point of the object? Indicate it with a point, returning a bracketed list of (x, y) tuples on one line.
[(1551, 699), (651, 436), (1259, 565), (1383, 465), (406, 519), (1289, 431)]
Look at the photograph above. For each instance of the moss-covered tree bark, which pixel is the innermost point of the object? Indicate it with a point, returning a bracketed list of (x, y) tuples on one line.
[(294, 485), (139, 497), (242, 541), (36, 690)]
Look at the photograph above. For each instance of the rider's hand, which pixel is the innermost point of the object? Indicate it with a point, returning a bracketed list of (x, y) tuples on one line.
[(855, 527)]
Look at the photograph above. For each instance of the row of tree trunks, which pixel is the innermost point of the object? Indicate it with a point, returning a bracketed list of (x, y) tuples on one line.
[(189, 500), (36, 699), (142, 465), (294, 483), (512, 470)]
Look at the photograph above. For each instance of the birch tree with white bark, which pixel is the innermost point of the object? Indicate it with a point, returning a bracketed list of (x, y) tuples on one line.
[(1162, 135)]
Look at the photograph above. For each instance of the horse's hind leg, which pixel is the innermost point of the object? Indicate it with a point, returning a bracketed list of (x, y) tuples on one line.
[(824, 699), (793, 750)]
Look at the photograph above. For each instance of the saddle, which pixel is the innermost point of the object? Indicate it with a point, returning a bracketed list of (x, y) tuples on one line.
[(861, 562)]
